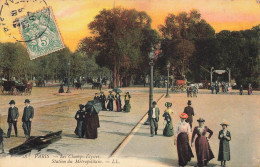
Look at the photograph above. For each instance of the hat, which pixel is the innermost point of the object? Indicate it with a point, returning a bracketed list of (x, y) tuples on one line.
[(110, 91), (154, 103), (101, 92), (81, 106), (201, 120), (189, 102), (168, 104), (12, 102), (184, 115), (127, 92), (27, 101), (224, 123)]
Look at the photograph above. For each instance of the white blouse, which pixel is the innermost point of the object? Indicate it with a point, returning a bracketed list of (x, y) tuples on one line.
[(182, 127)]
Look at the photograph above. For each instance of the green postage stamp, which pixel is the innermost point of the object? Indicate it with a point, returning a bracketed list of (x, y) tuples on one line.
[(40, 33)]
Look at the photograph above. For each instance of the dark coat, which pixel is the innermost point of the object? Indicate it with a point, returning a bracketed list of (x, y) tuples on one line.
[(28, 113), (190, 112), (97, 98), (103, 98), (224, 149), (157, 113), (12, 114), (80, 115)]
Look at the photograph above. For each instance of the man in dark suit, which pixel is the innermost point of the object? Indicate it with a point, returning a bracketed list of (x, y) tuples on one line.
[(190, 112), (96, 97), (103, 99), (28, 114), (13, 115), (153, 114)]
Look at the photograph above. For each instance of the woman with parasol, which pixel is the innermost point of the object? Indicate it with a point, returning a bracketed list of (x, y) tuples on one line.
[(92, 119)]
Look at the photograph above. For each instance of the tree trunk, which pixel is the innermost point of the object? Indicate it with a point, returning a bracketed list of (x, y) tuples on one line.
[(118, 76), (115, 77)]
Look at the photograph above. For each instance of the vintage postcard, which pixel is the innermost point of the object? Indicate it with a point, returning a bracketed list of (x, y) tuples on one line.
[(129, 83)]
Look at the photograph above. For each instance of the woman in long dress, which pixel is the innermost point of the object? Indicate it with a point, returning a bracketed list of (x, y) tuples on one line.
[(182, 134), (224, 149), (203, 151), (91, 123), (168, 129), (118, 102), (127, 106), (110, 99)]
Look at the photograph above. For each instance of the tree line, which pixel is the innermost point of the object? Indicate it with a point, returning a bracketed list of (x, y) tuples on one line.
[(121, 40)]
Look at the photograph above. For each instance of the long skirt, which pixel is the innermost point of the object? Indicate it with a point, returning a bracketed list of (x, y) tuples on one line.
[(110, 105), (79, 131), (203, 151), (184, 151), (127, 106), (224, 151), (103, 102), (92, 123), (118, 105), (168, 130)]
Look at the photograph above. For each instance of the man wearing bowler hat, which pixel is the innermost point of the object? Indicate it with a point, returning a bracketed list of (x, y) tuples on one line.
[(153, 114), (190, 112), (28, 114), (103, 99), (12, 117)]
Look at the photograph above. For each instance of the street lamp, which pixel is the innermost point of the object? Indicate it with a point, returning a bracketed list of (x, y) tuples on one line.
[(168, 69), (68, 90), (229, 76), (151, 63), (211, 73)]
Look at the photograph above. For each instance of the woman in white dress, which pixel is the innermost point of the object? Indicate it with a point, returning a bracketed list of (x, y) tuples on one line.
[(182, 137)]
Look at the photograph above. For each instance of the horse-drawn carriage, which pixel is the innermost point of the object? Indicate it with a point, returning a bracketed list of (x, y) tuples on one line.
[(14, 88), (96, 85), (180, 85)]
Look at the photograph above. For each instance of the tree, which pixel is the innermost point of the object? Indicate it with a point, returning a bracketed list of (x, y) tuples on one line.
[(118, 37)]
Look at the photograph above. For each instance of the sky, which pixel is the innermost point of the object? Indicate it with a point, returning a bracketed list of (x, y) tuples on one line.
[(73, 16)]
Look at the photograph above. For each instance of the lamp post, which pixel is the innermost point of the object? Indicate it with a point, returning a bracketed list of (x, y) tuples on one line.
[(211, 73), (229, 76), (168, 69), (151, 63), (68, 90)]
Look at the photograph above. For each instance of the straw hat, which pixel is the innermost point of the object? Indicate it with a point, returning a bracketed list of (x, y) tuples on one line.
[(184, 115), (224, 123)]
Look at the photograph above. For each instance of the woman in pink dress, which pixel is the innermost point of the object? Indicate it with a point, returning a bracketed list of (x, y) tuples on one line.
[(182, 135), (203, 151)]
